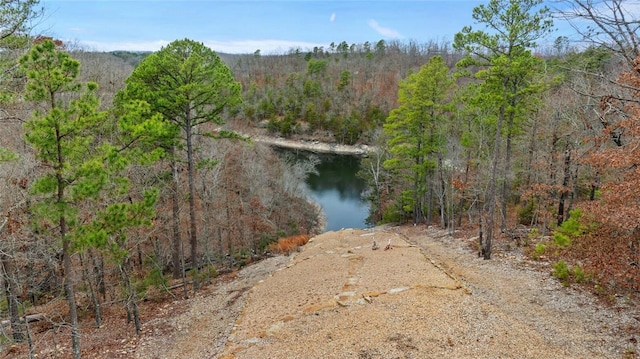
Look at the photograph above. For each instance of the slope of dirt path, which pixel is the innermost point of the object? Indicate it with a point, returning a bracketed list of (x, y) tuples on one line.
[(427, 297)]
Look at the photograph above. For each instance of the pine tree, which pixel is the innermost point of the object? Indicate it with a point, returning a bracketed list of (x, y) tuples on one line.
[(415, 130)]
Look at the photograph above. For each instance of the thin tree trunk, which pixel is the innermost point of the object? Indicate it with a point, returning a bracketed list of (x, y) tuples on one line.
[(532, 150), (69, 291), (177, 240), (491, 206), (92, 293), (417, 197), (506, 183), (193, 225), (68, 279), (574, 190), (12, 299), (98, 272), (442, 196), (131, 300), (32, 349), (565, 184), (464, 188)]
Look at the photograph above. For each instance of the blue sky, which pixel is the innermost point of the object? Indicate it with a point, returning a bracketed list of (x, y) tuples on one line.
[(246, 26)]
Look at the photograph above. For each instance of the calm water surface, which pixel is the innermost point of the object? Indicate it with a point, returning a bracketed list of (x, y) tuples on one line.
[(339, 192)]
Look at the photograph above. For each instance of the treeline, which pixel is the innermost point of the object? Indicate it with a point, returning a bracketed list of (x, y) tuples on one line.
[(340, 94)]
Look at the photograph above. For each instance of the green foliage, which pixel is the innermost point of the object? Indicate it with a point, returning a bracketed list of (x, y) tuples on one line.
[(154, 278), (416, 129), (539, 250), (266, 240), (311, 88), (312, 116), (526, 213), (507, 80), (131, 57), (317, 67), (346, 129), (6, 155), (203, 275), (393, 214), (561, 271), (571, 228), (186, 82), (85, 170), (82, 195), (266, 109), (273, 125), (345, 80), (567, 274), (561, 240), (579, 275)]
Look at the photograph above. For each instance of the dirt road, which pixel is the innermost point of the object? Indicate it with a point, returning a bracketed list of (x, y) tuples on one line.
[(428, 296)]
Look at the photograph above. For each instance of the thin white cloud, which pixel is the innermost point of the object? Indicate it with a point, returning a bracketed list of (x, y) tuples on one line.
[(332, 18), (266, 47), (384, 31), (124, 46)]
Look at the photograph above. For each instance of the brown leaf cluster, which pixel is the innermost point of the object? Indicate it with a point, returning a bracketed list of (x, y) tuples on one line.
[(620, 165), (288, 245)]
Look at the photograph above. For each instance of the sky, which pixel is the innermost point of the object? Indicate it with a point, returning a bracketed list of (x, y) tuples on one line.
[(245, 26), (241, 26)]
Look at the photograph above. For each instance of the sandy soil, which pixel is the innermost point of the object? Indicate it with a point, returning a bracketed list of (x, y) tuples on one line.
[(429, 296)]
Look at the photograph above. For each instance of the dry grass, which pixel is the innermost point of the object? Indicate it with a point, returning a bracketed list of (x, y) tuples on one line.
[(288, 245)]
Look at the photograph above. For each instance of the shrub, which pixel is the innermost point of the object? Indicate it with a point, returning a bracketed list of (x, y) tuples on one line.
[(579, 275), (539, 250), (572, 227), (203, 275), (526, 212), (392, 214), (288, 245), (561, 271), (569, 229), (561, 240)]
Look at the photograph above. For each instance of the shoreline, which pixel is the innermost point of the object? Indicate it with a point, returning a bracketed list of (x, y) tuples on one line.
[(315, 146)]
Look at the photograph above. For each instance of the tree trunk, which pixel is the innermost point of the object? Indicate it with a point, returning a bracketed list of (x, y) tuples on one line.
[(565, 184), (10, 289), (177, 240), (531, 152), (69, 291), (464, 188), (442, 196), (193, 225), (506, 183), (417, 197), (98, 272), (131, 301), (491, 197), (92, 293)]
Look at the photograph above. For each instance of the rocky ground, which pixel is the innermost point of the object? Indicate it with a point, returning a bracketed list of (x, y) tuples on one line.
[(428, 296)]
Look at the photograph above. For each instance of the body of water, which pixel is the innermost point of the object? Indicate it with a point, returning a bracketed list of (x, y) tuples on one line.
[(338, 190)]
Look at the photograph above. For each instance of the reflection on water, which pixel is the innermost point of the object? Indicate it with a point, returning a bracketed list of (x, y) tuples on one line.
[(338, 190)]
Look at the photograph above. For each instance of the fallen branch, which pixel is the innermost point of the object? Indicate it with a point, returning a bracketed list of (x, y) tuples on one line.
[(29, 319)]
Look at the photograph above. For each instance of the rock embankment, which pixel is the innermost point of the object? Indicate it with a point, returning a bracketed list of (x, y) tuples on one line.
[(315, 146)]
